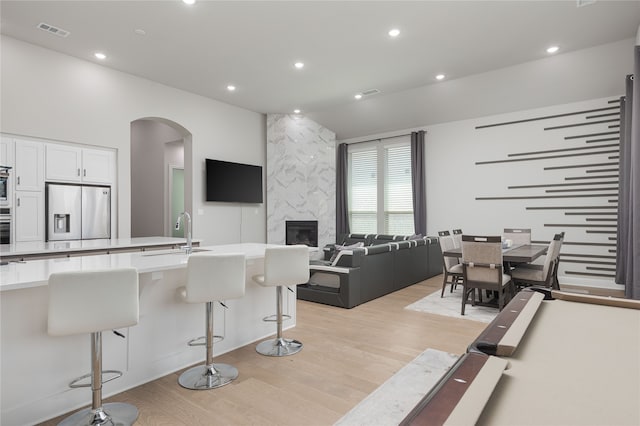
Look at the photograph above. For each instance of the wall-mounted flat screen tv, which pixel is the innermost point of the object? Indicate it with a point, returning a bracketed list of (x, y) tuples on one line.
[(233, 182)]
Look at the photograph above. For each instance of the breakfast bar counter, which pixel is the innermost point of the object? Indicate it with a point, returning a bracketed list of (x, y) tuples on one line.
[(44, 250), (36, 368)]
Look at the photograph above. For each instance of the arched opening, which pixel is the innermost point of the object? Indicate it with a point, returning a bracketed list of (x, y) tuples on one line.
[(161, 177)]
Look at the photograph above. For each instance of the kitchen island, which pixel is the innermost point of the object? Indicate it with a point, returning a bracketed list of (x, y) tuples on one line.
[(36, 368), (52, 249)]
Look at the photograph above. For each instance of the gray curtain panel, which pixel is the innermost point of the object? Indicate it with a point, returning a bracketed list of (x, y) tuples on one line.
[(342, 208), (628, 242), (418, 183)]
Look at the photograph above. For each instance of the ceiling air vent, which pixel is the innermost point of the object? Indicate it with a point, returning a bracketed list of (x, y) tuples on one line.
[(53, 30), (370, 92), (581, 3)]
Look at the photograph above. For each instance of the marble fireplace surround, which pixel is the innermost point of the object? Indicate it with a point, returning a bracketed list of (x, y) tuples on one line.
[(300, 176)]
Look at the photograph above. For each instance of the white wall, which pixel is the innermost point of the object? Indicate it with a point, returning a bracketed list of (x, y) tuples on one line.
[(454, 180), (49, 95)]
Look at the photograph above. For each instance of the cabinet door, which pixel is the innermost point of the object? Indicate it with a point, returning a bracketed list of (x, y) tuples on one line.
[(29, 216), (98, 166), (29, 171), (6, 152), (63, 163)]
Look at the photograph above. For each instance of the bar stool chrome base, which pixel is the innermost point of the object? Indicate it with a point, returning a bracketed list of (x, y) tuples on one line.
[(279, 347), (202, 377), (112, 414)]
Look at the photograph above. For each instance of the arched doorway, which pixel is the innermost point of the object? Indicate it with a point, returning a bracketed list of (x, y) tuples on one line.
[(161, 178)]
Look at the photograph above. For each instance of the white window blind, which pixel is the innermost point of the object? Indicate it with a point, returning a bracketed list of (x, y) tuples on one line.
[(363, 191), (380, 197), (398, 198)]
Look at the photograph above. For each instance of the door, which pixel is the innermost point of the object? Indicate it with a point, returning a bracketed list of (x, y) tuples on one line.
[(96, 212), (176, 187), (29, 217), (64, 212)]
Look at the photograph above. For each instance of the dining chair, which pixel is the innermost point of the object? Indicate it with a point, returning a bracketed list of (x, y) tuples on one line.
[(457, 237), (482, 269), (518, 236), (451, 268), (552, 278), (538, 275)]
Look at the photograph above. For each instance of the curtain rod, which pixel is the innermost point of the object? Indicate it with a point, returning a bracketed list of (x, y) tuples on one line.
[(381, 139)]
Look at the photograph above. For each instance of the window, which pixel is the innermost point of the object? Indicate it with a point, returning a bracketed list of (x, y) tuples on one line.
[(380, 195)]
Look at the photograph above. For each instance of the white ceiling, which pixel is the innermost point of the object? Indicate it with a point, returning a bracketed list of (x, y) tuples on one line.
[(344, 44)]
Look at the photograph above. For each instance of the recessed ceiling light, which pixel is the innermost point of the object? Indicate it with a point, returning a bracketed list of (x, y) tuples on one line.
[(100, 55), (231, 87), (552, 49), (440, 77), (296, 111), (299, 65), (394, 32), (140, 32), (189, 2), (358, 96)]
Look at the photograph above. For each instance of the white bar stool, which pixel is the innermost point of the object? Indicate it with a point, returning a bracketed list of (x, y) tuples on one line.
[(283, 266), (91, 302), (211, 277)]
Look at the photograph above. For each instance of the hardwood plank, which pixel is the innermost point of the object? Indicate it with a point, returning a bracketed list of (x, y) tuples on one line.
[(347, 354)]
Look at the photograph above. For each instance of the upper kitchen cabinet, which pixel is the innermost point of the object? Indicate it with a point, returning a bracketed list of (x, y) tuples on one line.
[(65, 163), (6, 152), (29, 165)]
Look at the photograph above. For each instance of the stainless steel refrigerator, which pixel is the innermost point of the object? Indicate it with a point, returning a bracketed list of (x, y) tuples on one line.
[(78, 212)]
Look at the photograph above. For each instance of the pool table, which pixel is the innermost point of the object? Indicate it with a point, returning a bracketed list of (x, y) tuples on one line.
[(549, 358)]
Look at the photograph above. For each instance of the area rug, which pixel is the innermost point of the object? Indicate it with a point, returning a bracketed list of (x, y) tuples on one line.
[(450, 305), (395, 398)]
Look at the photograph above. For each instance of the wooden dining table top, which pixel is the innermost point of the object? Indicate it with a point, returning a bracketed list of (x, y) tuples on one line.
[(518, 254)]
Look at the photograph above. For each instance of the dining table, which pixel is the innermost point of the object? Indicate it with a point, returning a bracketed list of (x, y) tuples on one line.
[(525, 253)]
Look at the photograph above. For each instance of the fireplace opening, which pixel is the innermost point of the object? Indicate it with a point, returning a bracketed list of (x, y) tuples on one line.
[(302, 232)]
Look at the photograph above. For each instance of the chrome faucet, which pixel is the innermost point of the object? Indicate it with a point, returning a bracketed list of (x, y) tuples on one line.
[(187, 248)]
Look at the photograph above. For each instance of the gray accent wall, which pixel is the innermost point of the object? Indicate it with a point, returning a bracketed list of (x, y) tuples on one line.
[(301, 175)]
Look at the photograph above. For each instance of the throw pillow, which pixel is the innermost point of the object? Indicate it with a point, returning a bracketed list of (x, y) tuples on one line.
[(338, 248)]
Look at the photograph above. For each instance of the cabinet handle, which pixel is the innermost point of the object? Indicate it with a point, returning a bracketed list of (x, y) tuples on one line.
[(85, 173), (18, 201), (18, 180), (78, 172)]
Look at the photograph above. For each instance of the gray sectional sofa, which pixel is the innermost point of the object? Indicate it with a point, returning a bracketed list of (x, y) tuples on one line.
[(383, 264)]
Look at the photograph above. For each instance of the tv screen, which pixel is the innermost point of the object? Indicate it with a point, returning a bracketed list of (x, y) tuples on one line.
[(233, 182)]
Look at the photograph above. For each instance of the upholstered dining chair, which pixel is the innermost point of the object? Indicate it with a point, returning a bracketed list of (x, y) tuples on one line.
[(457, 237), (482, 269), (451, 268), (518, 236), (546, 274)]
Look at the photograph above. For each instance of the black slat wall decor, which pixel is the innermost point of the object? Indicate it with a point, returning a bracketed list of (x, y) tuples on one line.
[(586, 141)]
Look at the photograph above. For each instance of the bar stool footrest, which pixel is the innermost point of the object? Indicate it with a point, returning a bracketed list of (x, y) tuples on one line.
[(202, 340), (274, 318), (74, 382)]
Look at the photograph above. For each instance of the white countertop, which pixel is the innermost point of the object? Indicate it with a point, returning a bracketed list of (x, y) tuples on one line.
[(35, 273), (38, 247)]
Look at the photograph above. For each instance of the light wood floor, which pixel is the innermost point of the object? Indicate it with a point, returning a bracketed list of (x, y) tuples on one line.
[(347, 354)]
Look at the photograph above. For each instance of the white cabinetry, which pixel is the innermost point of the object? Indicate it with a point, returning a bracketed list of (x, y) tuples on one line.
[(29, 216), (6, 152), (65, 163), (29, 168), (29, 194)]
